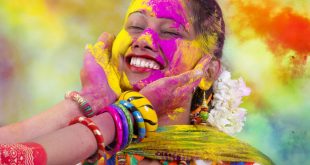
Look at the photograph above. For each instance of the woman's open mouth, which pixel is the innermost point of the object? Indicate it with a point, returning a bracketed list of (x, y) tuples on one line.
[(142, 63)]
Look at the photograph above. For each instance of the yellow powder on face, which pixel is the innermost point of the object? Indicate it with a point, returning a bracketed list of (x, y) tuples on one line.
[(137, 5), (124, 82), (175, 113), (146, 37), (120, 46), (123, 41), (186, 57), (208, 42)]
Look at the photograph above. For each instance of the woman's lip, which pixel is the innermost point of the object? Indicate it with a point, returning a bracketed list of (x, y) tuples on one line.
[(139, 69)]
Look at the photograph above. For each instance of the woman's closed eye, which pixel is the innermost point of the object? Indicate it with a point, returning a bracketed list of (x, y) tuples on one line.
[(135, 29), (170, 34)]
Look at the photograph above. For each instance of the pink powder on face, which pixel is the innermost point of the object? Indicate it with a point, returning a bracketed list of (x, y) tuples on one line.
[(173, 10), (168, 48), (155, 75), (169, 9)]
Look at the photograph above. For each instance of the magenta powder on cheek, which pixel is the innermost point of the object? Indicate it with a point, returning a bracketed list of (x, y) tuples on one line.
[(168, 48), (155, 75)]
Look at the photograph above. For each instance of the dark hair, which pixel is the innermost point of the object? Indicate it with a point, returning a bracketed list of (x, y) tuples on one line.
[(208, 21)]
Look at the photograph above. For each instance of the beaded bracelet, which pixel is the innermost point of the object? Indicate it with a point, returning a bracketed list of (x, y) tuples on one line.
[(83, 104), (119, 129), (98, 135), (129, 122), (139, 122)]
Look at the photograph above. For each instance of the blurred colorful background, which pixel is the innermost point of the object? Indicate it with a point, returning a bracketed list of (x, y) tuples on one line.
[(268, 44)]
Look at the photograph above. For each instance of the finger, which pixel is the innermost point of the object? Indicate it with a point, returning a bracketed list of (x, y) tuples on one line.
[(188, 88), (203, 63), (188, 77), (107, 39), (103, 48), (191, 76)]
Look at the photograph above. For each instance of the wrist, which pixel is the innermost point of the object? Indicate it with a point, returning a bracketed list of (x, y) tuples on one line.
[(106, 125)]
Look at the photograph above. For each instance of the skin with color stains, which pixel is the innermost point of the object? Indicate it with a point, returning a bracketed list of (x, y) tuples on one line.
[(157, 33)]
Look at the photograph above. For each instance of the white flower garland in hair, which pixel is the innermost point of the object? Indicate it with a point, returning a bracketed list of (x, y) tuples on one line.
[(226, 115)]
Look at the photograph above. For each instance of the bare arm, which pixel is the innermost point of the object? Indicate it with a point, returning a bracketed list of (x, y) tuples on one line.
[(53, 119), (75, 143), (68, 145)]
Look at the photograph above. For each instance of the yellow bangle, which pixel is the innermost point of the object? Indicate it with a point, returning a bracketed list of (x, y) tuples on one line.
[(144, 106)]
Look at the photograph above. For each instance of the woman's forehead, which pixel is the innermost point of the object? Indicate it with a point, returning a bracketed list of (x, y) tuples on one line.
[(171, 9)]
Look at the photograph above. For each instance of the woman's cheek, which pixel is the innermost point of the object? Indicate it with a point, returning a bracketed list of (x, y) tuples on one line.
[(185, 57), (120, 45)]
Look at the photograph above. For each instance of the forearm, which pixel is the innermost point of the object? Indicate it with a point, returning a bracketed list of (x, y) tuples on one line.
[(75, 143), (54, 118)]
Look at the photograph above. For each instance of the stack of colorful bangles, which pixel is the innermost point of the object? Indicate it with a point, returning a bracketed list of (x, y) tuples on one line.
[(133, 116)]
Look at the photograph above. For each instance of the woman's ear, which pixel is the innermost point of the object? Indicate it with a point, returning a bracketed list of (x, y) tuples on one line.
[(214, 69)]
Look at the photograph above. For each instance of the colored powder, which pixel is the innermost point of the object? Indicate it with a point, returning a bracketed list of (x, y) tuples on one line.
[(177, 54), (102, 58), (175, 113), (281, 27), (164, 9)]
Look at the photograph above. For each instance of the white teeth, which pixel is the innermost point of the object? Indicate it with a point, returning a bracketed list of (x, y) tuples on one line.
[(144, 63), (131, 61), (152, 65), (138, 63)]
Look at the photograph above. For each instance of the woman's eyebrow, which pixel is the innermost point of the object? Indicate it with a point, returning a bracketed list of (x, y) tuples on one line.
[(136, 12), (175, 24)]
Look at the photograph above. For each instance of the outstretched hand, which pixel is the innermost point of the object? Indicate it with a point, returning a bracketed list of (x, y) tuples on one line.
[(96, 88), (170, 93)]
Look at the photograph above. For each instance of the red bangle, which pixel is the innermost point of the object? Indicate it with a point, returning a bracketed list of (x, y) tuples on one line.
[(98, 135), (22, 153), (83, 104)]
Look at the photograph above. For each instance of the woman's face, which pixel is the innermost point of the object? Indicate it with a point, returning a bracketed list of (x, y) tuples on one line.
[(157, 40)]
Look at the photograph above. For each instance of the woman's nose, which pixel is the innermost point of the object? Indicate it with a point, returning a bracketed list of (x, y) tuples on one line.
[(146, 41)]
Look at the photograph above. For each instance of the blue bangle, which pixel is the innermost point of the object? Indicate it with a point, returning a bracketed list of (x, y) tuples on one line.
[(139, 121)]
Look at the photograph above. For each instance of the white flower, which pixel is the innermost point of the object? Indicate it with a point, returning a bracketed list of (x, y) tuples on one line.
[(226, 114)]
